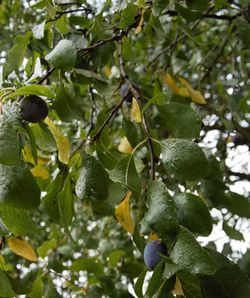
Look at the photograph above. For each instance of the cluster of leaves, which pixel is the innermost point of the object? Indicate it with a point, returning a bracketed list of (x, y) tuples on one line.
[(133, 91)]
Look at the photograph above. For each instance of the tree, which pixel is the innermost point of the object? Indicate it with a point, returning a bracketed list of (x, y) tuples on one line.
[(133, 90)]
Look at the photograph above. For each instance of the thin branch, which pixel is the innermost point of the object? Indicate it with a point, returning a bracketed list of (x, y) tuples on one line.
[(59, 14), (45, 76), (209, 69), (242, 176), (93, 110), (172, 46), (105, 123), (208, 16), (145, 125)]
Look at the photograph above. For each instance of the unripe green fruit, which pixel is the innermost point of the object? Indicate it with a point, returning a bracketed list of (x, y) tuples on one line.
[(33, 109), (152, 253)]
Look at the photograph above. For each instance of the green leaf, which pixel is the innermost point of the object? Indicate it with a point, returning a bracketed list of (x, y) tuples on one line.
[(65, 202), (39, 90), (232, 232), (115, 256), (213, 192), (237, 204), (46, 246), (93, 181), (184, 159), (18, 187), (89, 74), (158, 99), (181, 120), (16, 54), (5, 286), (139, 284), (50, 290), (244, 31), (189, 15), (193, 214), (92, 265), (200, 5), (170, 268), (130, 132), (161, 217), (138, 241), (9, 141), (125, 173), (191, 285), (128, 16), (37, 288), (17, 221), (23, 285), (63, 56), (50, 201), (190, 256), (43, 137), (66, 105), (155, 280), (228, 281), (3, 229)]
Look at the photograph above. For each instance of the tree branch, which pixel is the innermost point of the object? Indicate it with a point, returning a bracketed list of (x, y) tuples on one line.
[(45, 76), (208, 16), (112, 113), (145, 125), (242, 176)]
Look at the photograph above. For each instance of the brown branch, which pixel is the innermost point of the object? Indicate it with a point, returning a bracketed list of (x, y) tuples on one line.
[(45, 76), (242, 176), (105, 123), (208, 15), (137, 96), (59, 14), (209, 69)]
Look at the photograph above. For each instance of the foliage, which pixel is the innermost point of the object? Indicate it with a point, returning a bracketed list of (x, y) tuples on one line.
[(135, 90)]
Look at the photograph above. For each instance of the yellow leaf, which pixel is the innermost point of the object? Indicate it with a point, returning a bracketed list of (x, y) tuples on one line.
[(183, 91), (122, 213), (153, 236), (171, 83), (62, 142), (124, 146), (177, 290), (2, 260), (135, 111), (195, 95), (139, 27), (22, 248), (107, 71), (40, 171), (27, 154)]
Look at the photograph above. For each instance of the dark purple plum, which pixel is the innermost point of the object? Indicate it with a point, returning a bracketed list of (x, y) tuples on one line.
[(238, 139), (33, 109), (126, 93), (152, 253)]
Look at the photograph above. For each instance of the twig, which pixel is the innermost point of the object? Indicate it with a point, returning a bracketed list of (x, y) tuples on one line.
[(112, 113), (45, 76), (145, 125), (172, 46), (209, 69), (242, 176), (61, 13), (93, 110), (208, 16)]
